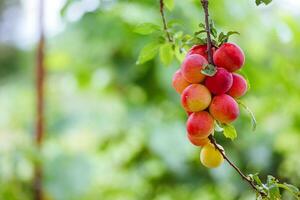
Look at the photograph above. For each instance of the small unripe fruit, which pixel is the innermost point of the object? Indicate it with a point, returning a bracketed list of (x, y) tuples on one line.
[(239, 86), (224, 108), (220, 83), (229, 56), (198, 141), (195, 97), (178, 82), (200, 124), (200, 49), (191, 68), (210, 156)]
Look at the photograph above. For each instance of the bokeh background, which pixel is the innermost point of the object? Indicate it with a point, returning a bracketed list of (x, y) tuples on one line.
[(116, 130)]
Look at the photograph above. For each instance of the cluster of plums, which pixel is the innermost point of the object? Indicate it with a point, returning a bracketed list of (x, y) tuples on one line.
[(210, 98)]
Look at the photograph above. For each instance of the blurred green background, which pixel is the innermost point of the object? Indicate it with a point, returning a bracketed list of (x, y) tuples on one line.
[(116, 130)]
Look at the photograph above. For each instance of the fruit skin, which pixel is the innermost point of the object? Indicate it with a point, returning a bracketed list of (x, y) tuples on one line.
[(224, 108), (239, 86), (195, 97), (200, 125), (178, 82), (198, 141), (220, 83), (229, 56), (189, 113), (191, 68), (200, 49), (210, 156)]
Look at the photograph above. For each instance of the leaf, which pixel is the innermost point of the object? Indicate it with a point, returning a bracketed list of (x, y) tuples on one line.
[(166, 53), (146, 28), (274, 192), (179, 53), (202, 25), (273, 189), (148, 52), (178, 35), (173, 22), (218, 127), (222, 38), (229, 33), (199, 32), (209, 70), (290, 188), (253, 120), (229, 131), (169, 4), (213, 30), (256, 178), (186, 37), (266, 2)]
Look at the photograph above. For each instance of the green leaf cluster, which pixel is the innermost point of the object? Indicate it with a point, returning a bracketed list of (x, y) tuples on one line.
[(271, 190), (266, 2)]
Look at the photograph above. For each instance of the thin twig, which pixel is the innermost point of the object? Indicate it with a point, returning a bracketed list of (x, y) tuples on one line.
[(208, 32), (40, 76), (162, 13), (211, 138), (246, 178)]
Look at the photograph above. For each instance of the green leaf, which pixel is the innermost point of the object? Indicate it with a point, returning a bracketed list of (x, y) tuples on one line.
[(169, 4), (202, 25), (274, 192), (253, 120), (290, 188), (273, 189), (166, 53), (218, 127), (213, 30), (178, 35), (148, 52), (199, 32), (209, 70), (179, 53), (222, 38), (186, 37), (229, 131), (146, 28), (266, 2), (256, 178), (229, 33)]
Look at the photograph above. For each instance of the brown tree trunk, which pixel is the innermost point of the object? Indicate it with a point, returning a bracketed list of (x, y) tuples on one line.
[(40, 76)]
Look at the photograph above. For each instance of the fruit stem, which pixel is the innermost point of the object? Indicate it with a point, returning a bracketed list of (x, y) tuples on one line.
[(40, 79), (207, 29), (162, 13), (246, 178)]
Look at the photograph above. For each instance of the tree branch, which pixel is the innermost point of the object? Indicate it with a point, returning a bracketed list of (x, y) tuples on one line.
[(211, 138), (40, 76), (162, 13), (207, 28), (246, 178)]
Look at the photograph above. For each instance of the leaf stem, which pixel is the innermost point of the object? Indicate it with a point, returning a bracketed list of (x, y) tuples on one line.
[(162, 13)]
